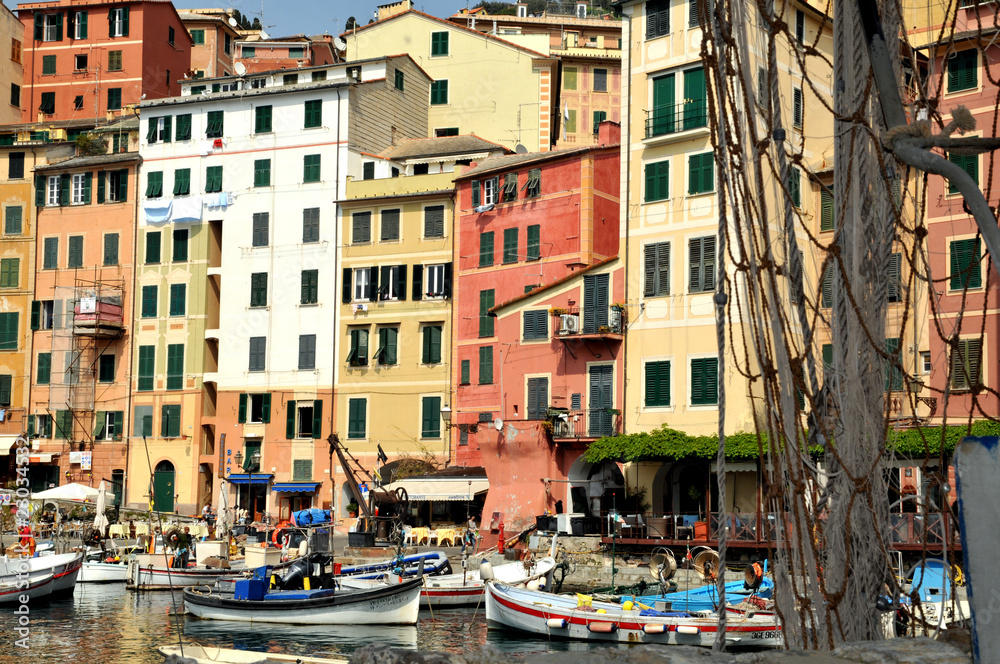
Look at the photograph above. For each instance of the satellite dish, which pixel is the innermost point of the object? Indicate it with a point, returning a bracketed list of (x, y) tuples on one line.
[(498, 424), (264, 36), (240, 68), (520, 149), (232, 22), (339, 43)]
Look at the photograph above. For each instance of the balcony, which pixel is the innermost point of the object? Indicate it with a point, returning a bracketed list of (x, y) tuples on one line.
[(586, 423), (98, 317), (666, 120), (590, 322)]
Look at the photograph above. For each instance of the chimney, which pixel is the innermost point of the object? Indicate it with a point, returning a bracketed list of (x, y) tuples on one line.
[(609, 133), (41, 116)]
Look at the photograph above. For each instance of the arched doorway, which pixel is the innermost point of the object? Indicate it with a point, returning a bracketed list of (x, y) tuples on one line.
[(163, 487)]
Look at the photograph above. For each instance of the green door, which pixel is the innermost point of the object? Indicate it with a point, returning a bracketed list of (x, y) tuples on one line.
[(163, 487), (695, 103), (663, 106)]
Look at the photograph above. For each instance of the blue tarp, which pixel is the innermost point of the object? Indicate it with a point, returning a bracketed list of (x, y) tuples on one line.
[(310, 516)]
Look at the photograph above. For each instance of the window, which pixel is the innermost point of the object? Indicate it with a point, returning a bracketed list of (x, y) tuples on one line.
[(227, 44), (12, 220), (15, 50), (399, 80), (42, 314), (356, 418), (178, 299), (117, 186), (701, 173), (311, 168), (657, 384), (569, 78), (693, 13), (533, 187), (361, 228), (510, 187), (175, 366), (48, 27), (362, 284), (509, 245), (485, 320), (486, 249), (657, 18), (8, 331), (826, 294), (656, 269), (15, 95), (198, 37), (290, 79), (184, 128), (695, 99), (182, 182), (388, 339), (215, 125), (9, 272), (310, 225), (486, 365), (599, 117), (925, 362), (893, 372), (118, 22), (262, 120), (963, 70), (368, 170), (487, 188), (536, 325), (170, 421), (466, 371), (111, 249), (108, 425), (262, 173), (431, 345), (297, 53), (301, 470), (258, 354), (657, 181), (213, 179), (44, 374), (600, 80), (798, 107), (147, 358), (314, 114), (115, 61), (254, 408), (439, 44), (357, 356), (434, 221), (827, 209), (430, 420), (75, 254), (81, 188), (318, 76), (143, 423), (967, 162), (966, 362), (152, 247), (570, 121), (310, 287), (158, 130), (149, 309), (389, 227), (966, 269), (50, 259), (438, 280), (79, 62), (534, 252), (154, 184), (392, 285), (701, 267), (307, 351), (794, 186), (48, 103), (114, 99), (894, 278), (704, 381), (53, 187), (180, 248), (439, 93), (48, 65), (800, 26), (258, 289)]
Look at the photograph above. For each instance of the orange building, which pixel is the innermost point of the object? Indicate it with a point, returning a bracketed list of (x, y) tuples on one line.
[(213, 43), (85, 58), (287, 53)]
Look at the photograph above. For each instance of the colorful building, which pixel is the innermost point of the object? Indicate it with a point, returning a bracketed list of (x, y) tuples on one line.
[(213, 43), (87, 58), (226, 161), (259, 54), (395, 333), (545, 222), (12, 68)]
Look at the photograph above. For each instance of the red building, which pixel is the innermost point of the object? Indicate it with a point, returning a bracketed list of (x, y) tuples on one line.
[(85, 58), (287, 53), (538, 335)]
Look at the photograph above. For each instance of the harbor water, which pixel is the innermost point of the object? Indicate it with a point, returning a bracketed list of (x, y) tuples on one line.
[(105, 624)]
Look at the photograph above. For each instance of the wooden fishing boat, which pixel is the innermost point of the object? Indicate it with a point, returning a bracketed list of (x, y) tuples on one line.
[(34, 585), (463, 589), (705, 598), (151, 572), (564, 617), (65, 569), (105, 566), (210, 655)]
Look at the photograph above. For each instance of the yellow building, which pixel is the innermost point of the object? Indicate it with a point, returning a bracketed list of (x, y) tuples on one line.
[(482, 85), (671, 218), (393, 370), (11, 69)]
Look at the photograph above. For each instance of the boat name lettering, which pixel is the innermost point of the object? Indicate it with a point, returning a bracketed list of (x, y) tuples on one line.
[(384, 601), (771, 634)]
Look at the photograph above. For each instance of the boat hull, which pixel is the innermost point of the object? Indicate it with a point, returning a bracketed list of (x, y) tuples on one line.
[(468, 589), (705, 598), (35, 585), (151, 577), (555, 616), (103, 573), (65, 568), (397, 604), (209, 655)]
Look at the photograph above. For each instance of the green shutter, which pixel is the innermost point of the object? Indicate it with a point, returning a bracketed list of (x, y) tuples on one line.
[(485, 320), (486, 365), (175, 366), (242, 416), (290, 420), (695, 99), (356, 418), (317, 419), (465, 372), (704, 381), (147, 359), (510, 245), (101, 183), (486, 249), (65, 186), (36, 314), (44, 368), (966, 269), (701, 173), (657, 181), (534, 242), (826, 219), (178, 299), (266, 408), (430, 425)]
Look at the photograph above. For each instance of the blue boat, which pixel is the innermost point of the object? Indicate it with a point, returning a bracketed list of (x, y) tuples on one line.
[(433, 563), (706, 598)]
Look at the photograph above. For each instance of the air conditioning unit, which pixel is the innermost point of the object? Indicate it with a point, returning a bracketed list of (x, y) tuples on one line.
[(561, 429), (569, 324)]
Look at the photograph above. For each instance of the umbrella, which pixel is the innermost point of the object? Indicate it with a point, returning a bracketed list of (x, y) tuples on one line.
[(77, 492), (225, 521), (101, 520)]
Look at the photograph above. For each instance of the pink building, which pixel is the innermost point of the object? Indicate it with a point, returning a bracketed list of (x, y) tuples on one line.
[(538, 335)]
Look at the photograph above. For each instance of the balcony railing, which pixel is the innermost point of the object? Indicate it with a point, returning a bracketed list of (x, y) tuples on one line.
[(576, 322), (663, 120), (586, 423)]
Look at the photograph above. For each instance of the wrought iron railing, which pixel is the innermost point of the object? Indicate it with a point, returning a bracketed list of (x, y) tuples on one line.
[(662, 120), (584, 423)]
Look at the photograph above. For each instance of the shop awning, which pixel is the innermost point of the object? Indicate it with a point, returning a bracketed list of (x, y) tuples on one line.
[(40, 458), (7, 444), (246, 478), (295, 487), (461, 488)]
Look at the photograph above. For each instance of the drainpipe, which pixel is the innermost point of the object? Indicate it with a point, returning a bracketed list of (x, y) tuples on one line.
[(626, 142), (126, 420), (336, 310)]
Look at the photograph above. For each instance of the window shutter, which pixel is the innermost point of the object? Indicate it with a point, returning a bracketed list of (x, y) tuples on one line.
[(826, 210), (101, 197), (317, 419), (164, 421), (152, 130), (446, 285), (486, 365), (59, 26), (372, 284), (384, 292), (123, 184), (649, 270), (40, 191), (418, 282), (652, 374), (400, 292), (39, 26), (692, 13), (534, 242), (65, 184), (486, 250), (346, 287), (708, 260), (435, 344), (532, 413), (425, 352), (827, 292), (695, 101), (243, 409), (36, 314), (694, 266), (290, 420), (465, 372), (124, 21), (476, 196), (88, 178), (266, 407), (894, 287)]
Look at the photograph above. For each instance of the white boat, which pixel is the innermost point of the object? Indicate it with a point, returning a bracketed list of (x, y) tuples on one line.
[(392, 603), (65, 569), (35, 585), (98, 569), (562, 617), (467, 588), (210, 655), (152, 572)]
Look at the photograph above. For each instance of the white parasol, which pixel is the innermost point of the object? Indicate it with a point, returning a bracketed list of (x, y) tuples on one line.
[(224, 523), (100, 519)]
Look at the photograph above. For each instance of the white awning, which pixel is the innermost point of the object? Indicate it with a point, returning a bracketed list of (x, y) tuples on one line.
[(7, 443), (442, 489)]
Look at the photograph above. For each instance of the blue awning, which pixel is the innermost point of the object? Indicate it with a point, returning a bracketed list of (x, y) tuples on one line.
[(246, 478), (295, 487)]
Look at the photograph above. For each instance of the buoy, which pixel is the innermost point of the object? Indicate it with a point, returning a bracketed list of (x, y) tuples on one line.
[(654, 629), (602, 627), (688, 629), (556, 623), (486, 571), (628, 605)]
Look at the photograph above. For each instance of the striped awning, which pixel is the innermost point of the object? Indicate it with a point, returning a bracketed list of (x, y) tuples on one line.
[(295, 487), (441, 489)]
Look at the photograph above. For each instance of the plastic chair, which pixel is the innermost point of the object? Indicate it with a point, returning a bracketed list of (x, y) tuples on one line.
[(407, 535)]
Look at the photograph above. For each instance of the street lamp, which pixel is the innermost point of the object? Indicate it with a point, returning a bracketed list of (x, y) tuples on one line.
[(252, 464), (446, 415)]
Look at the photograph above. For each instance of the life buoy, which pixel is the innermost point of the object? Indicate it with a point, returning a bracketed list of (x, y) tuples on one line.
[(279, 532)]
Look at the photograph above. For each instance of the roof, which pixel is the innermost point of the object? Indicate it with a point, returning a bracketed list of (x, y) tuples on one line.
[(94, 160), (442, 21), (561, 280), (293, 70), (232, 94), (987, 31), (549, 19), (78, 123), (508, 161), (439, 146), (396, 197), (126, 124)]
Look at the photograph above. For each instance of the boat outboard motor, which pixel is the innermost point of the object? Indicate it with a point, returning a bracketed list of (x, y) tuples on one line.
[(297, 572)]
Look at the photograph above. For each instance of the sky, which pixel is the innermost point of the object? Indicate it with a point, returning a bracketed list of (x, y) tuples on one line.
[(290, 17)]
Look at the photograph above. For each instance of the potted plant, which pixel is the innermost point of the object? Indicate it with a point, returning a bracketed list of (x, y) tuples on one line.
[(352, 509), (557, 311)]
